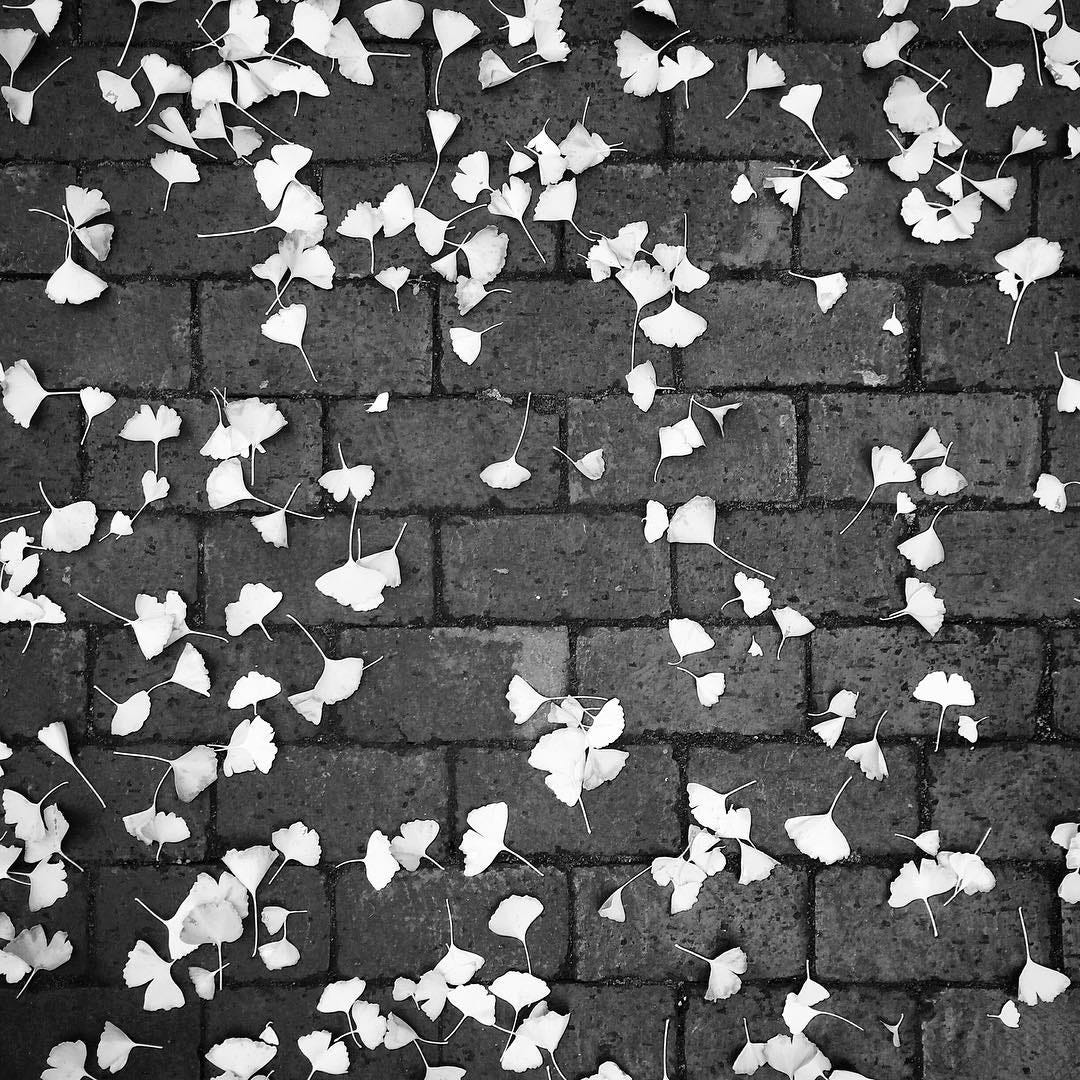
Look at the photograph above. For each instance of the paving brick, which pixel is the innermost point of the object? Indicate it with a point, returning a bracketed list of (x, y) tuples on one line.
[(149, 240), (1064, 445), (547, 566), (98, 835), (740, 19), (758, 233), (99, 22), (327, 787), (234, 549), (1009, 564), (392, 110), (849, 118), (120, 921), (402, 930), (48, 452), (849, 575), (161, 555), (884, 664), (763, 695), (432, 452), (343, 186), (1058, 208), (770, 337), (1066, 671), (115, 466), (1020, 793), (864, 231), (466, 671), (624, 1024), (754, 459), (715, 1034), (136, 336), (29, 703), (178, 714), (858, 22), (516, 113), (803, 780), (586, 349), (977, 317), (33, 243), (85, 1011), (634, 814), (74, 122), (997, 441), (1070, 933), (957, 1038), (386, 349), (860, 937), (766, 919)]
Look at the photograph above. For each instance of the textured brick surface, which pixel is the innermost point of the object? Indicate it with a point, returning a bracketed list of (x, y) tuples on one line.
[(553, 580)]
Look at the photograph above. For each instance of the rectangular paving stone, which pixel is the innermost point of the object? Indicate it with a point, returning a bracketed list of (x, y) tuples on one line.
[(342, 793), (432, 452), (769, 337), (996, 441), (449, 683), (636, 813), (755, 458), (884, 665), (547, 566), (767, 919), (858, 936), (762, 695), (790, 780)]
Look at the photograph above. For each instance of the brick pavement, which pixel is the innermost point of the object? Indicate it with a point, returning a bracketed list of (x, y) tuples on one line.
[(552, 580)]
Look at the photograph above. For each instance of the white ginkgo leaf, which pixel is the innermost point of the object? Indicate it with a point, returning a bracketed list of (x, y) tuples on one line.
[(674, 327), (251, 608), (397, 19), (828, 288), (762, 73), (818, 835), (688, 637), (508, 474), (925, 549), (324, 1054), (1038, 982), (743, 190)]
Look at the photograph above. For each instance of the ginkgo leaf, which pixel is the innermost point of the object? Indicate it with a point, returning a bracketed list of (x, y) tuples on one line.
[(689, 63), (920, 882), (828, 288), (453, 29), (286, 326), (724, 972), (251, 746), (674, 327), (695, 523), (1029, 261), (114, 1048), (887, 466), (241, 1057), (508, 474), (818, 835), (688, 637), (398, 19), (67, 528), (1009, 1015), (324, 1053), (410, 846), (924, 549), (249, 867), (251, 608), (145, 968), (1038, 982), (485, 839), (1004, 81), (379, 863), (762, 73), (868, 755)]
